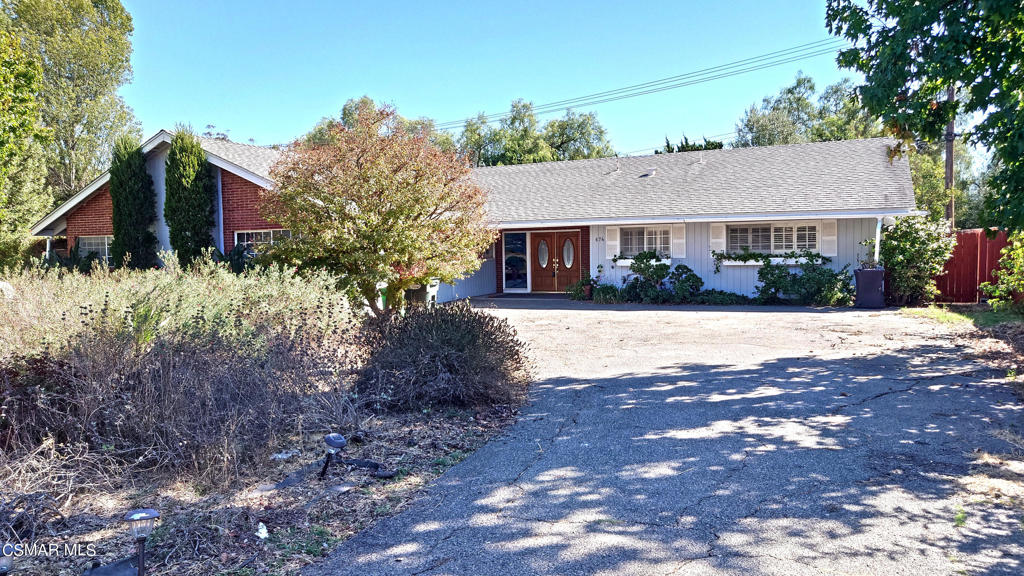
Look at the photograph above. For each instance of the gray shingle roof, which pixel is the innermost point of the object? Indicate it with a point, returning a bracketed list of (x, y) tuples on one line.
[(256, 159), (842, 176)]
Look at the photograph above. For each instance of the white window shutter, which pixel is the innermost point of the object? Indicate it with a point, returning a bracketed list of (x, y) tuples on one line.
[(718, 238), (679, 240), (829, 238), (611, 242)]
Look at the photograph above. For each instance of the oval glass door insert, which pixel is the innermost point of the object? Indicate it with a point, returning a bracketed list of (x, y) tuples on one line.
[(542, 253), (568, 253)]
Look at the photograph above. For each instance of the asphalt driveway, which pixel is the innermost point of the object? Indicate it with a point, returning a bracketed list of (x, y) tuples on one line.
[(722, 441)]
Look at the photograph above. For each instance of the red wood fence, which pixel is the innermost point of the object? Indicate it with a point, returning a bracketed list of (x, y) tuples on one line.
[(974, 259)]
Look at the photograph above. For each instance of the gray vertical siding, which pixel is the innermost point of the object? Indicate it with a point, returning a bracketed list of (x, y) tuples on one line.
[(738, 279), (477, 284)]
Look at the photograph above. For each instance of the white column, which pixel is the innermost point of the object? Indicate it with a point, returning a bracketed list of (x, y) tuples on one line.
[(47, 248), (878, 237)]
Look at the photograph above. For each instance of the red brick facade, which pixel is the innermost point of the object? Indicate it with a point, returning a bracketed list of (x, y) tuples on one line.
[(93, 217), (499, 269), (240, 205)]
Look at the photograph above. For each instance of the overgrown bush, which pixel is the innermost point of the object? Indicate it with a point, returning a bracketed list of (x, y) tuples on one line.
[(647, 283), (686, 284), (201, 374), (1006, 292), (814, 284), (449, 355), (914, 250)]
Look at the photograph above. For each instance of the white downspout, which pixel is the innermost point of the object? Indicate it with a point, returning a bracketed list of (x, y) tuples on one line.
[(878, 237)]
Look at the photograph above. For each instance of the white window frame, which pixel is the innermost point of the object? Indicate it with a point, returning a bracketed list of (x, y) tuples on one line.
[(257, 244), (105, 255), (795, 225), (529, 273), (664, 255)]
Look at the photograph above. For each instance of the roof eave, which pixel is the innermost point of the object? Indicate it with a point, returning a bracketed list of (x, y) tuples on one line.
[(682, 218)]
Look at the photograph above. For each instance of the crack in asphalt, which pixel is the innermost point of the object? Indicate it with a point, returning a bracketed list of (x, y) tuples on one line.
[(551, 440)]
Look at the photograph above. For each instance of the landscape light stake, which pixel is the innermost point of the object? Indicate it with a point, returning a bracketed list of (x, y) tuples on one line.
[(335, 442), (6, 561), (140, 524)]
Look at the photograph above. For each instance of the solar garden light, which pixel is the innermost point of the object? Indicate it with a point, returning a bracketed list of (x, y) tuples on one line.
[(335, 442), (6, 560), (140, 524)]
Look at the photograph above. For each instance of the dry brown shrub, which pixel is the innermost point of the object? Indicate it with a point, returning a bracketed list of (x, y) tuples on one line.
[(451, 355)]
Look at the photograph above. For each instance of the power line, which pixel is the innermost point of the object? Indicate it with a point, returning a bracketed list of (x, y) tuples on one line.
[(743, 66)]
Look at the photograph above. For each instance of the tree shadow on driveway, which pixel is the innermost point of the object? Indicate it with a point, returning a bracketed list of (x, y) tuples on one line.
[(790, 466)]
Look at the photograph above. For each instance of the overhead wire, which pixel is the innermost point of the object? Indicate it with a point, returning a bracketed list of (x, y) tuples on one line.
[(744, 66)]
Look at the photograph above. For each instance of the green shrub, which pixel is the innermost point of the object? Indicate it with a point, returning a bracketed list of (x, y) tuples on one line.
[(134, 207), (191, 190), (241, 257), (815, 284), (449, 355), (819, 285), (577, 290), (647, 283), (914, 250), (686, 284), (716, 297), (1006, 292), (606, 294)]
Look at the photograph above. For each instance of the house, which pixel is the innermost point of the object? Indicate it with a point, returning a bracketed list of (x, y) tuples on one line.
[(557, 219), (241, 170)]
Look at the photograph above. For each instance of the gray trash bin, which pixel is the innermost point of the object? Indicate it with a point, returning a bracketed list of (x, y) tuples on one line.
[(870, 287), (424, 296)]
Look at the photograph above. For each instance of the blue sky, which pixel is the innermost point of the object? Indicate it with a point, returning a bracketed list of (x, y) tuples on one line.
[(268, 70)]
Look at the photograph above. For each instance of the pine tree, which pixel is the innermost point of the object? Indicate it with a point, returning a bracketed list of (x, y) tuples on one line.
[(134, 203), (191, 190)]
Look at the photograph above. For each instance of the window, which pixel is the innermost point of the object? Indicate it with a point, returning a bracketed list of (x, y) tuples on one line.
[(259, 238), (515, 260), (772, 238), (644, 238), (752, 238), (99, 245)]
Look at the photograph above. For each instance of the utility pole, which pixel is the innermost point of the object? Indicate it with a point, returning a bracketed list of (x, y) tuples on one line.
[(950, 137)]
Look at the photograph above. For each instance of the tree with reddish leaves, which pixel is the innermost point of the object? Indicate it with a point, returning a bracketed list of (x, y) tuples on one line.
[(377, 205)]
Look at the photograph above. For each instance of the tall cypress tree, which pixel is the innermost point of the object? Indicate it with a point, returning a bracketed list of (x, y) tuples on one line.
[(134, 206), (191, 191)]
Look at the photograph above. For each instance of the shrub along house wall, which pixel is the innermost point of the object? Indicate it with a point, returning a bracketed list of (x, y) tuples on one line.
[(740, 279)]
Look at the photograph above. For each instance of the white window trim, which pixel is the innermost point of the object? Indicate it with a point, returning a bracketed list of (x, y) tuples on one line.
[(773, 224), (629, 261), (529, 273), (106, 246), (237, 232)]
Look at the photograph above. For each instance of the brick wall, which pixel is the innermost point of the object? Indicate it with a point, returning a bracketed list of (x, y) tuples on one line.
[(93, 217), (240, 202)]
